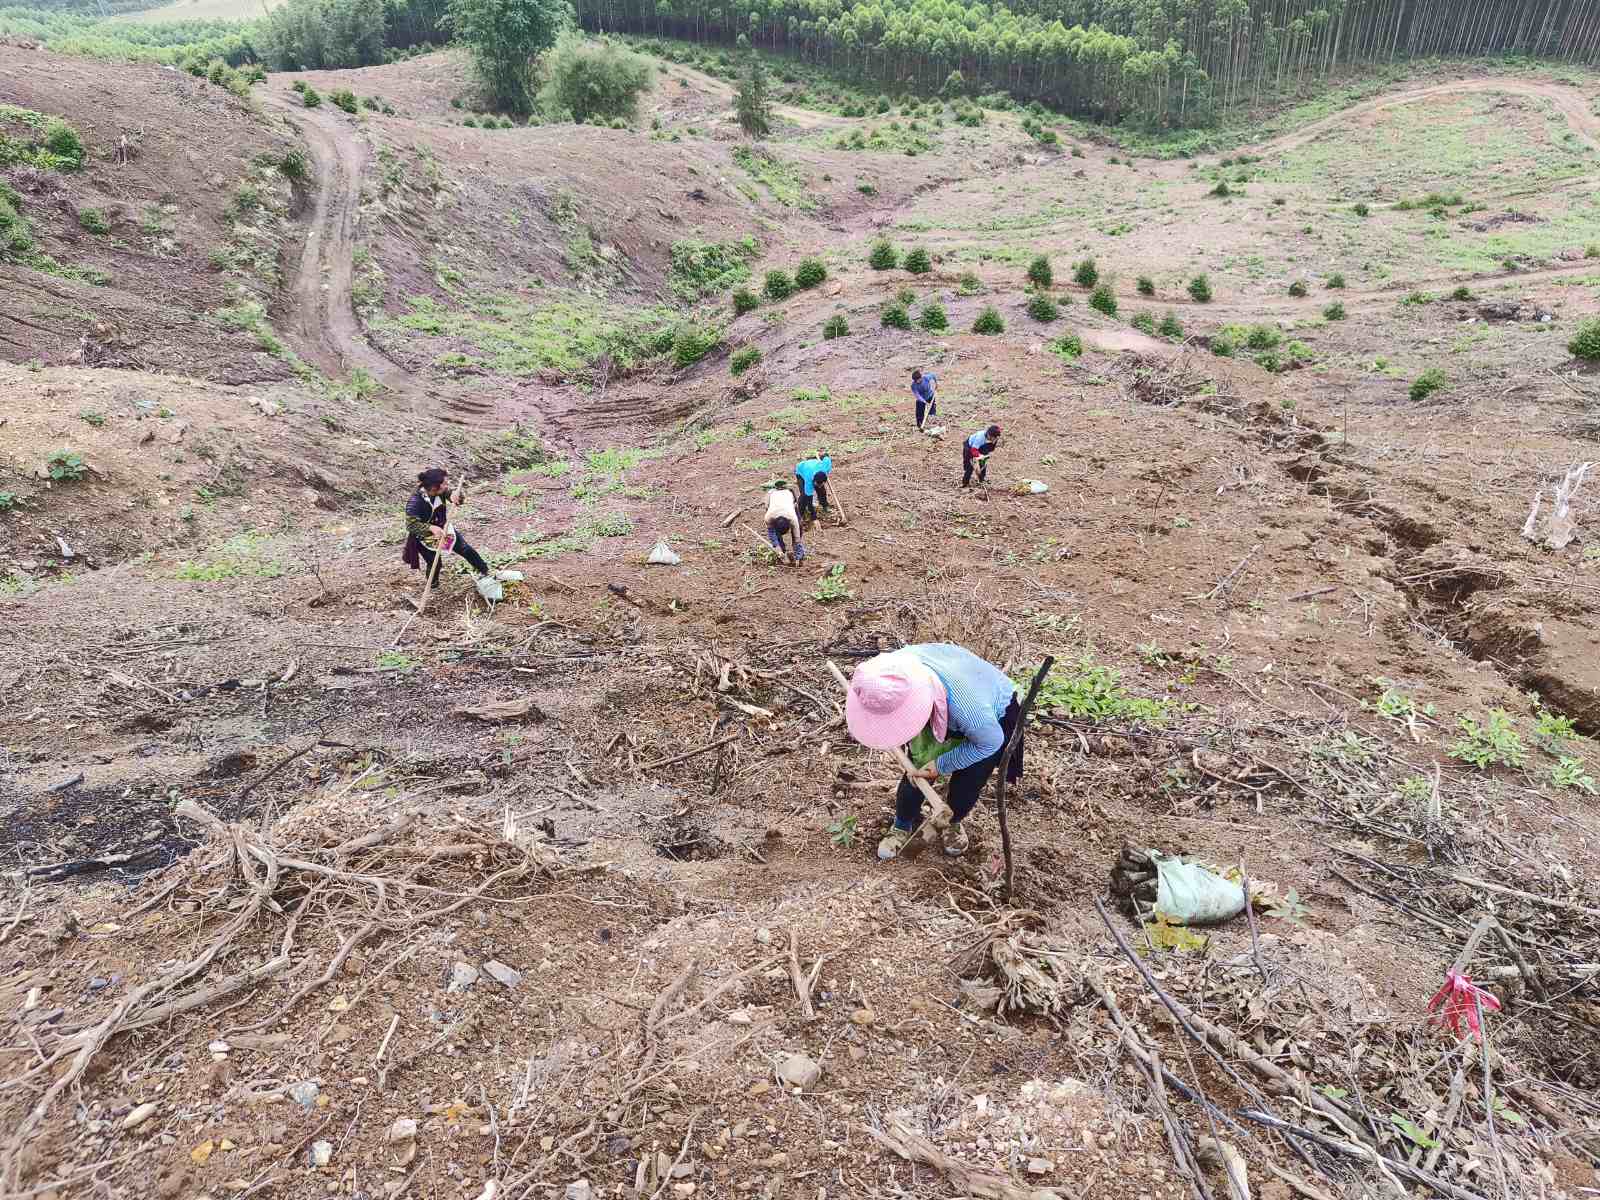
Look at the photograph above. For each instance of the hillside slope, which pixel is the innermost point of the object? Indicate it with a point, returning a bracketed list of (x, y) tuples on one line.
[(314, 894)]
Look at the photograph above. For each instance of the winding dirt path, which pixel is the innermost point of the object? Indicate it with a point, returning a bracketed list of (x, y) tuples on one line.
[(323, 320), (1570, 102)]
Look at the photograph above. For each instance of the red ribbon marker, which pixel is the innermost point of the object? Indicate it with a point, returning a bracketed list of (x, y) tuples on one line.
[(1461, 1000)]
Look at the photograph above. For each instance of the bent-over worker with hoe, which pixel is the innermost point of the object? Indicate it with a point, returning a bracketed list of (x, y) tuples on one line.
[(427, 529), (975, 452), (952, 711), (922, 387), (782, 519), (811, 474)]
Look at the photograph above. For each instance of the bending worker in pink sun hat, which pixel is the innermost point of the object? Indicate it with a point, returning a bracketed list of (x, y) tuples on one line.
[(952, 711)]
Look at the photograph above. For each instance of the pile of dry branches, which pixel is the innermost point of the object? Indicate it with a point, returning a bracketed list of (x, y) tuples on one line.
[(245, 896)]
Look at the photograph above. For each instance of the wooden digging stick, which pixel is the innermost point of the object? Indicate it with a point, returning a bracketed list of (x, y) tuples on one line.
[(422, 605), (939, 813), (1005, 763), (833, 491)]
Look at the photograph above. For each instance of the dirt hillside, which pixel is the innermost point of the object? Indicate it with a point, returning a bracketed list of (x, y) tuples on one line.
[(577, 895)]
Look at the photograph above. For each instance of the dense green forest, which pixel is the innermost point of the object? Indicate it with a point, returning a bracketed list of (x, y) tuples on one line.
[(1162, 63)]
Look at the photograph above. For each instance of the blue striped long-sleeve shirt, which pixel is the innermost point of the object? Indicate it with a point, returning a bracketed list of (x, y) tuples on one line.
[(978, 695)]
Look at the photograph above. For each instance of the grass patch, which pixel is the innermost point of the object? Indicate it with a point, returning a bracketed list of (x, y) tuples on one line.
[(566, 334), (782, 180), (700, 269)]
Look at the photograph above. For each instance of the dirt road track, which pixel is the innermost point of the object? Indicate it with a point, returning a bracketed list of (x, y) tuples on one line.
[(1570, 102), (323, 322)]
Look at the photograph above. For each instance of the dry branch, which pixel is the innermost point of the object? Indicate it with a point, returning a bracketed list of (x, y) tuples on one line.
[(913, 1147)]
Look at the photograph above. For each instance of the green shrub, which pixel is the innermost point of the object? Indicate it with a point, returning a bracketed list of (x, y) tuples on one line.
[(93, 220), (1085, 273), (969, 284), (1068, 346), (1223, 345), (835, 327), (1042, 308), (989, 321), (883, 256), (691, 343), (313, 99), (1200, 289), (810, 273), (1144, 322), (1262, 337), (294, 166), (1361, 210), (743, 360), (1268, 360), (918, 262), (895, 316), (1146, 286), (470, 122), (744, 300), (932, 317), (1426, 384), (1222, 190), (1040, 273), (1334, 311), (1103, 299), (1170, 328), (1585, 344), (1462, 293), (1335, 282), (778, 285), (1298, 290), (62, 140), (346, 99), (300, 85), (586, 78)]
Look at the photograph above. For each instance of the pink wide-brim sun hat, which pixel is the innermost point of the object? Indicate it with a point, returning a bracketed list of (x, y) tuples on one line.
[(891, 698)]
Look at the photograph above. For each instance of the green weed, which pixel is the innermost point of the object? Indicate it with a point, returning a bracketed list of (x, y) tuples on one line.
[(989, 321), (1494, 742), (831, 587)]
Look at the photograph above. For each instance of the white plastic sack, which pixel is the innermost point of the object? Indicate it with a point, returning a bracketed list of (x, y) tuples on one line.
[(662, 555), (508, 576), (489, 588), (1191, 895)]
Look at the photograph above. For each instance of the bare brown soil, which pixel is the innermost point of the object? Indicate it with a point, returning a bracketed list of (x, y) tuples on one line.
[(1269, 553)]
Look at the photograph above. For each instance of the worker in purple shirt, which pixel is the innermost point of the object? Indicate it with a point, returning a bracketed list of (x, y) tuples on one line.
[(922, 388)]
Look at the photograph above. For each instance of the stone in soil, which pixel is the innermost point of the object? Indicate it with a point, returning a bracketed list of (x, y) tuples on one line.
[(462, 976), (799, 1071), (304, 1093), (502, 974)]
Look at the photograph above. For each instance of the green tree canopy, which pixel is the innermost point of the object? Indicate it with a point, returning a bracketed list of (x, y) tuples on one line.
[(504, 37)]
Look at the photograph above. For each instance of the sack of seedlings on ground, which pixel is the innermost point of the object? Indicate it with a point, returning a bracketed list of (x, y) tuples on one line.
[(1152, 884)]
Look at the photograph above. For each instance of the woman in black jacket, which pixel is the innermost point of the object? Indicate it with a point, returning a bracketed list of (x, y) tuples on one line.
[(425, 524)]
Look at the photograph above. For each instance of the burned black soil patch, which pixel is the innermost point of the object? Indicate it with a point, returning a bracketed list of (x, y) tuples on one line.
[(683, 839)]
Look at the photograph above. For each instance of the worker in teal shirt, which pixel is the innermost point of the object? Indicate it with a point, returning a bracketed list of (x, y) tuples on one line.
[(812, 476)]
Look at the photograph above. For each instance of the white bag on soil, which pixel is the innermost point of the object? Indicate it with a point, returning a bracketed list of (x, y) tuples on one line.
[(489, 588), (1191, 895), (662, 555)]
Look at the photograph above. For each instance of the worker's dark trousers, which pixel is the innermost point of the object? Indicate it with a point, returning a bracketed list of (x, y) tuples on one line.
[(808, 504), (474, 559), (966, 785), (968, 462), (925, 409)]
